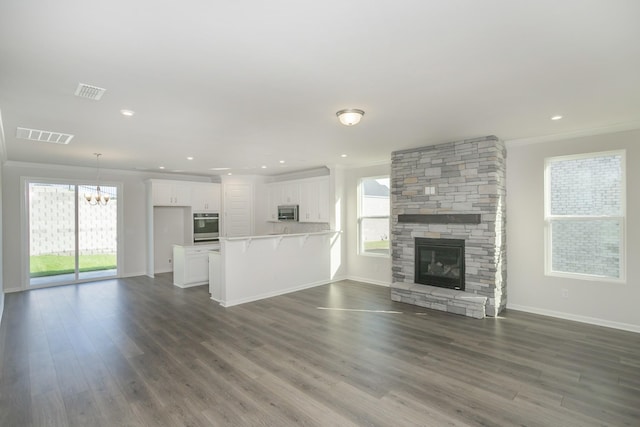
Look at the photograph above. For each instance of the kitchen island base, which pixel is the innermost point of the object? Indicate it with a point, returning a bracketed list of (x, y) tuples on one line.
[(258, 267)]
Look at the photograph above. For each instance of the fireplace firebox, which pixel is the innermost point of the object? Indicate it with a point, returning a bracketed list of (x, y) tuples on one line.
[(440, 262)]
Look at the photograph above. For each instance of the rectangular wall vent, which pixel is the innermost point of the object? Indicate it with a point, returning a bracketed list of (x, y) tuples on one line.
[(43, 136), (89, 92)]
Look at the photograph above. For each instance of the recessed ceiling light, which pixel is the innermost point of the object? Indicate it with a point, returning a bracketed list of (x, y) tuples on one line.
[(127, 113), (189, 158), (229, 173), (219, 169), (343, 155), (556, 117), (263, 167), (160, 167), (281, 161)]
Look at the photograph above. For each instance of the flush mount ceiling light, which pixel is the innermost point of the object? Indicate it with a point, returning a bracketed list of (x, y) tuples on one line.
[(350, 117), (98, 198)]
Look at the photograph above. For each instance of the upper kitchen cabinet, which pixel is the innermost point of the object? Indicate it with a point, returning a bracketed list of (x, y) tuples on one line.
[(205, 197), (314, 200), (273, 200), (170, 193), (282, 193), (290, 193)]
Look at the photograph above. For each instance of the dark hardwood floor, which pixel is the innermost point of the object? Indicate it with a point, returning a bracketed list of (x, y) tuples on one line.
[(140, 351)]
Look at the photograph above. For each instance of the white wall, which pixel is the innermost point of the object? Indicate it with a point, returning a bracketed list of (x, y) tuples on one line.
[(337, 222), (528, 289), (169, 225), (1, 233), (364, 268)]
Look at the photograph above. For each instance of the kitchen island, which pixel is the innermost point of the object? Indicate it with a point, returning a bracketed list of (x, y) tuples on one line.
[(256, 267), (191, 264)]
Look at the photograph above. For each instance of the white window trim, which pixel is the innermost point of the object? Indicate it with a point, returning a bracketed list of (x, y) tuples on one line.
[(361, 250), (548, 218)]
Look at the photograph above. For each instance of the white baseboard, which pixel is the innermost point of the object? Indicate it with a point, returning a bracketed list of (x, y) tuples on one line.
[(271, 294), (370, 281), (144, 273), (337, 279), (576, 318)]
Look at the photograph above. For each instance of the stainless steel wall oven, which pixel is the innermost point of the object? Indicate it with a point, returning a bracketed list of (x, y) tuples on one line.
[(205, 227)]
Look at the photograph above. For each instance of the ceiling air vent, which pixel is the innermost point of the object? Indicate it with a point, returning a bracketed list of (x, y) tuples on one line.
[(89, 92), (43, 136)]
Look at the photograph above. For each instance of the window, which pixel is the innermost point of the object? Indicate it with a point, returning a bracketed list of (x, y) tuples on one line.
[(585, 216), (373, 216)]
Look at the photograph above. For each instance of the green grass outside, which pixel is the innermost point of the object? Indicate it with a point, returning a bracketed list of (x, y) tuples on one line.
[(52, 265), (376, 244)]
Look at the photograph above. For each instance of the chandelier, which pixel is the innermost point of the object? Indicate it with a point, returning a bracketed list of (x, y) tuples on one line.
[(98, 198)]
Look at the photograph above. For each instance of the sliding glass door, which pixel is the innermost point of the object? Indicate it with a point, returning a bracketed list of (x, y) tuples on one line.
[(70, 239)]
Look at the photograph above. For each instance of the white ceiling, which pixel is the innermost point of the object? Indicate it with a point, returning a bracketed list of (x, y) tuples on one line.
[(247, 83)]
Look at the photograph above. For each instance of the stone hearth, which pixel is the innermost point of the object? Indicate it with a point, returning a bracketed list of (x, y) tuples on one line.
[(449, 300), (433, 188)]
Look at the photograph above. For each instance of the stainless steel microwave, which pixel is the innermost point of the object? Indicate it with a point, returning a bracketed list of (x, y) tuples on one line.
[(288, 213)]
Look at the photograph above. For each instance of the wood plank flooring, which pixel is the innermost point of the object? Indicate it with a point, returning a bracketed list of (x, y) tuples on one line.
[(141, 352)]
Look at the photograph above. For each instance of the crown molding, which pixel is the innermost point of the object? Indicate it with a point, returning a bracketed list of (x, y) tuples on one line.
[(618, 127), (92, 169)]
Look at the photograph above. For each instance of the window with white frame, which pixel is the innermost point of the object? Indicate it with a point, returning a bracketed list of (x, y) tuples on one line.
[(373, 216), (585, 216)]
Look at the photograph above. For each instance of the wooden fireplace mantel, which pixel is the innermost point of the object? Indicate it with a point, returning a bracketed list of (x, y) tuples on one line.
[(440, 218)]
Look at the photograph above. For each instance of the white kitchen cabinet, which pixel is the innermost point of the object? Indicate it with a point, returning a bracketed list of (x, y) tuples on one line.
[(314, 200), (273, 200), (205, 197), (290, 193), (191, 264), (281, 193), (170, 193)]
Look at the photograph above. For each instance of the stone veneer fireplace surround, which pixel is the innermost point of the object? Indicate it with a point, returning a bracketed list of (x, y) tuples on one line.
[(452, 191)]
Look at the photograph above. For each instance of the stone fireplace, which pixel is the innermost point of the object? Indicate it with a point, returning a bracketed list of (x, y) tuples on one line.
[(450, 196)]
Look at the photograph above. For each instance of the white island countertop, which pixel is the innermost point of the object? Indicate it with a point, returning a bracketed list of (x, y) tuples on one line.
[(200, 245), (276, 236), (257, 267)]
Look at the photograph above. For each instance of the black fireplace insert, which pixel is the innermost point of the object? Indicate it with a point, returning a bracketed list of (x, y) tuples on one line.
[(439, 262)]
